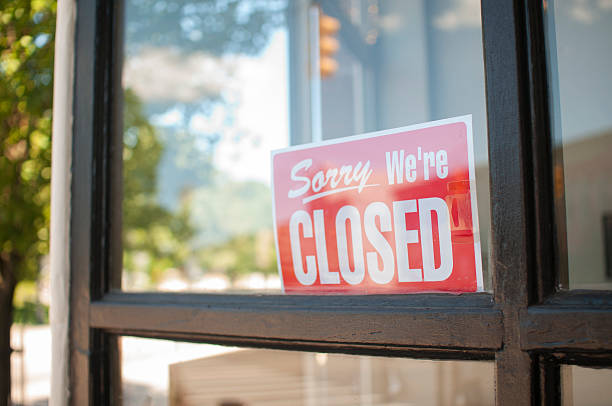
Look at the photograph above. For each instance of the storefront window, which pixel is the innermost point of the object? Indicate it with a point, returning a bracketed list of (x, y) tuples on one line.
[(210, 88), (190, 223), (159, 372), (580, 62)]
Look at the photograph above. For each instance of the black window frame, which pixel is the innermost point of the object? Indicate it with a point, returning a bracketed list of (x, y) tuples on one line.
[(527, 326)]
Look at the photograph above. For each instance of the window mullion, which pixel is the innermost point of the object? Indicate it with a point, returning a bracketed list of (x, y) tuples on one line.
[(447, 325), (508, 113)]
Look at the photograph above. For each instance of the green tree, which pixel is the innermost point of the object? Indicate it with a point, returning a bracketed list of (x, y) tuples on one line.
[(148, 228), (26, 73), (241, 255)]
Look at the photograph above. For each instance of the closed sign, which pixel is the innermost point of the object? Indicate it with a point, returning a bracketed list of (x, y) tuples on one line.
[(386, 212)]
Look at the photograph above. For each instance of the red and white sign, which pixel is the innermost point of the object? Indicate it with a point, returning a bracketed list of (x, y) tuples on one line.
[(386, 212)]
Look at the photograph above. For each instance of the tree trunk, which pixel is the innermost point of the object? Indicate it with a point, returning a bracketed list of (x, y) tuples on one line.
[(7, 289)]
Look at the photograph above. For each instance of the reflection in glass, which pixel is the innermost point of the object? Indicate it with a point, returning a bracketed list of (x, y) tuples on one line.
[(159, 372), (580, 59), (585, 386), (211, 87), (205, 86), (404, 62)]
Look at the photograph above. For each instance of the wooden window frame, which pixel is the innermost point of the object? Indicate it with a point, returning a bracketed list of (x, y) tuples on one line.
[(526, 326)]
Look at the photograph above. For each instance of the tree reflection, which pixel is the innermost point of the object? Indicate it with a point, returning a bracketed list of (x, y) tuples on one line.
[(152, 235), (180, 212), (217, 26)]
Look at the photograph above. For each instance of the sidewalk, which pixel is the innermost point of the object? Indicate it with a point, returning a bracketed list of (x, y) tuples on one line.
[(33, 388)]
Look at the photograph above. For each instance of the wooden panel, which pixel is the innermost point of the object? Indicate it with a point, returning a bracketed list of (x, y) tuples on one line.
[(515, 378), (567, 329), (437, 321), (571, 321), (508, 114), (93, 352), (80, 218)]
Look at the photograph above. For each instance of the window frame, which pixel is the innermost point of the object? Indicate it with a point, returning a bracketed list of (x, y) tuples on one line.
[(526, 326)]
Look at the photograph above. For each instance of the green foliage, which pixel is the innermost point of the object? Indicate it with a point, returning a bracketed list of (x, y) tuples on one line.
[(26, 71), (31, 313), (248, 202), (159, 237), (242, 255), (235, 244), (153, 237), (156, 239)]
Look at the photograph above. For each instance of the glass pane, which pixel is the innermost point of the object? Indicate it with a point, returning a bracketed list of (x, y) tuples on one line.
[(580, 59), (586, 386), (158, 372), (205, 100), (211, 87)]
